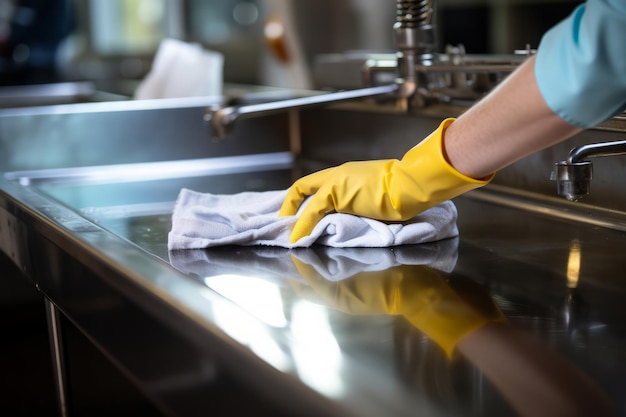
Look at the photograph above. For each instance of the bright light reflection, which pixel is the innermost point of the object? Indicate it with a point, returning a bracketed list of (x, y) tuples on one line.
[(249, 332), (573, 264), (316, 352), (274, 30), (254, 295)]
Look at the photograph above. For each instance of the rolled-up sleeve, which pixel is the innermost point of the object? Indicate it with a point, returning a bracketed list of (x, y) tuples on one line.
[(581, 63)]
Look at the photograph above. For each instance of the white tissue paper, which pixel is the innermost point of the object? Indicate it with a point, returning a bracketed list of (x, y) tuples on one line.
[(182, 69)]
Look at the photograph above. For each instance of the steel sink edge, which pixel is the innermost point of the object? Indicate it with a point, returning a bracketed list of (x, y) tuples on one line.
[(555, 207), (154, 170)]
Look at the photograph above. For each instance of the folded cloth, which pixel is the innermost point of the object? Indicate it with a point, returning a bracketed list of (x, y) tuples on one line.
[(251, 218)]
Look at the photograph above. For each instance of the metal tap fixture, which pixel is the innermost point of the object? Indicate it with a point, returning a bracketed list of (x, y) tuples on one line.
[(415, 41), (573, 175), (422, 75), (425, 76)]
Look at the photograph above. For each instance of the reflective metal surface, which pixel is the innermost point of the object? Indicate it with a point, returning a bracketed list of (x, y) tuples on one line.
[(54, 93), (560, 283), (311, 331)]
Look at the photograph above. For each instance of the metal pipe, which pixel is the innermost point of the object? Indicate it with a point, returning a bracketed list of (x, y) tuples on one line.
[(467, 69), (58, 360), (592, 150), (221, 120), (415, 43)]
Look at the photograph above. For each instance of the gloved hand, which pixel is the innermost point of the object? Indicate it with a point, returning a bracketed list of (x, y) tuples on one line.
[(416, 292), (388, 190)]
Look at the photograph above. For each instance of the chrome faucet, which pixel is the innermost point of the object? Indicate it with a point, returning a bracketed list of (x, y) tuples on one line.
[(573, 176), (415, 39), (414, 32), (426, 77), (422, 75)]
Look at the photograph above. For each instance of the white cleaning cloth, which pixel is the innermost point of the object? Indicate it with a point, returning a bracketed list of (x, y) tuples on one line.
[(251, 218)]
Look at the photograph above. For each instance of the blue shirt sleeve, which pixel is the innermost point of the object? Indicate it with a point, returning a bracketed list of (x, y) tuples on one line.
[(581, 63)]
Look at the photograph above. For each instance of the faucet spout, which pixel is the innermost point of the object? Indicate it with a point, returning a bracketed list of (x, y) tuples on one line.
[(572, 179), (573, 176), (221, 120), (592, 150)]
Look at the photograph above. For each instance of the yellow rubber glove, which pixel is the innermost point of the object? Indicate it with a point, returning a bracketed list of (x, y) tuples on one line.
[(416, 292), (388, 190)]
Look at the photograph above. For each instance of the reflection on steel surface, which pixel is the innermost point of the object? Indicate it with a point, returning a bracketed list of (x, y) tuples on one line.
[(457, 314), (573, 264), (155, 170)]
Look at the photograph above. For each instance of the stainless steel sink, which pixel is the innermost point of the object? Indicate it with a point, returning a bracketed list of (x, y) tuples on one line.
[(85, 202), (135, 200)]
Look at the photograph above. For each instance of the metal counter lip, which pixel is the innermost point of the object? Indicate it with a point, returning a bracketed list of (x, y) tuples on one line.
[(52, 222), (552, 207), (155, 170), (114, 106)]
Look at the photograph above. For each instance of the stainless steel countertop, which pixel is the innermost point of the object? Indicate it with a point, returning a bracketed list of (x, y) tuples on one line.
[(98, 251)]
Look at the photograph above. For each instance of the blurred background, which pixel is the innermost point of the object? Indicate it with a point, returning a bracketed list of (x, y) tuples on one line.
[(113, 42)]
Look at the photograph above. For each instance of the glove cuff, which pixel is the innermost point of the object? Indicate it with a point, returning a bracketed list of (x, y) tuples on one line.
[(427, 164), (437, 143)]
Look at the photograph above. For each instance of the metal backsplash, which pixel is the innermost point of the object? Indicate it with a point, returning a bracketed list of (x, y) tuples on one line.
[(333, 136)]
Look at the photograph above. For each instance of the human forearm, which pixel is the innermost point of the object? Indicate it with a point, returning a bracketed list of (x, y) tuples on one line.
[(510, 123)]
